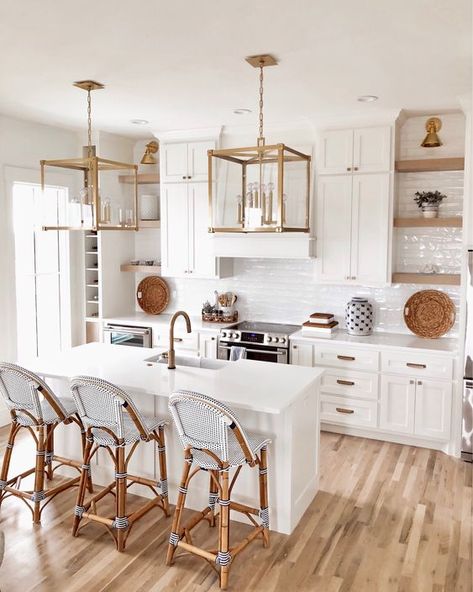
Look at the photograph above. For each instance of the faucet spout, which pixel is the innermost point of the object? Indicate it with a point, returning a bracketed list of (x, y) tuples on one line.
[(171, 352)]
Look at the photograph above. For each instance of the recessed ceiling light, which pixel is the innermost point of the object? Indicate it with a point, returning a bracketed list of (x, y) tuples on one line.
[(241, 111), (367, 98), (139, 121)]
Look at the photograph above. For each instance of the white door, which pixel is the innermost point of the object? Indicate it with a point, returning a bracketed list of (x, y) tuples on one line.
[(397, 404), (175, 230), (197, 159), (334, 227), (433, 405), (202, 261), (301, 354), (174, 167), (372, 149), (370, 229), (336, 152), (208, 346)]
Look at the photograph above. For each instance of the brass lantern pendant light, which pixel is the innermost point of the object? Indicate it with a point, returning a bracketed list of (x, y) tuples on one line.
[(108, 194), (262, 188)]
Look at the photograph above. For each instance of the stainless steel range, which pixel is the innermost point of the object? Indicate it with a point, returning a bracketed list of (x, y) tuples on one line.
[(267, 342)]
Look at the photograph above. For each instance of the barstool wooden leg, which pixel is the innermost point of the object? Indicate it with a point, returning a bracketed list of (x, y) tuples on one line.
[(213, 495), (223, 556), (163, 470), (48, 461), (38, 493), (176, 521), (263, 494), (14, 429), (121, 520), (84, 478)]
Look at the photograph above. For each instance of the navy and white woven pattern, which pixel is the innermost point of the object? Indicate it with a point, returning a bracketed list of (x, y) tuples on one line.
[(102, 404), (205, 423), (21, 388)]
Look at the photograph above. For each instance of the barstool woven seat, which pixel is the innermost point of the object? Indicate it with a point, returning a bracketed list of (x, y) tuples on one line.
[(112, 421), (35, 407), (214, 441)]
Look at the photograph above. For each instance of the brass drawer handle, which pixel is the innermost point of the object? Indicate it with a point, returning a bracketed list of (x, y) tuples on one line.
[(343, 410), (346, 358), (412, 365), (178, 339), (345, 382)]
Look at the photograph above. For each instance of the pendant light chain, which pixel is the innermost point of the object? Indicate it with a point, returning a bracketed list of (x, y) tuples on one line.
[(261, 67), (89, 124)]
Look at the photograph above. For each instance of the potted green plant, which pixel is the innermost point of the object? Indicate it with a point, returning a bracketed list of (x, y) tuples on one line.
[(429, 202)]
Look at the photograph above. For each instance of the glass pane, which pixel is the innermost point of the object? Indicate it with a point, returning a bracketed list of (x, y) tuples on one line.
[(117, 199), (295, 193)]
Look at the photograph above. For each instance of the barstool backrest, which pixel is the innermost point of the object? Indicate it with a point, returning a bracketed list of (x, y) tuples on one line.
[(21, 392), (206, 424), (101, 404)]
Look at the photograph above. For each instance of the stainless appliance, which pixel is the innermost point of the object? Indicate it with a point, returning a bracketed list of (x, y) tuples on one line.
[(467, 415), (267, 342), (127, 335)]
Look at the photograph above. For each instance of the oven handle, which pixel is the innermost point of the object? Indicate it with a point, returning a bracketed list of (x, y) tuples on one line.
[(126, 331), (278, 352)]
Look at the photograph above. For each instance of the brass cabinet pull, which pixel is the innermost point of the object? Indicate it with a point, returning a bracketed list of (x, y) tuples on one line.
[(346, 358), (345, 382), (412, 365), (348, 168), (294, 347), (184, 176), (178, 339), (212, 338), (343, 410), (355, 169)]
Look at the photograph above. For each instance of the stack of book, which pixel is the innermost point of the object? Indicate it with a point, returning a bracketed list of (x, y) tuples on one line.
[(319, 324)]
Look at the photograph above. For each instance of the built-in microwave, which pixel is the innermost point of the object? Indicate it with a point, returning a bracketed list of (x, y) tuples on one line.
[(127, 335)]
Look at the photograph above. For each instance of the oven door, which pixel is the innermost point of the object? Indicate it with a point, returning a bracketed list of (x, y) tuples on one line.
[(124, 335), (261, 353)]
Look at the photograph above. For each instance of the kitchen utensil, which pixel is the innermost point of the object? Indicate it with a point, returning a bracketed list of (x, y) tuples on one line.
[(153, 294), (429, 313)]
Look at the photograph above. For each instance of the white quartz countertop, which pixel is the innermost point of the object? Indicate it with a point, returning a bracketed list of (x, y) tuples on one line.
[(384, 340), (247, 384), (143, 319)]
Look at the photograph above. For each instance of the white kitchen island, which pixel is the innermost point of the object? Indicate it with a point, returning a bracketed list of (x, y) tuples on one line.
[(277, 400)]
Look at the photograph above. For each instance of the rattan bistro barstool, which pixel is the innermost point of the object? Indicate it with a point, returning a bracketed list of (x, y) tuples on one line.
[(214, 441), (36, 408), (113, 422)]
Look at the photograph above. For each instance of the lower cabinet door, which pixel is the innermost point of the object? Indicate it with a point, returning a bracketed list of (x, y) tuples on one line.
[(208, 346), (433, 408), (397, 404), (301, 354)]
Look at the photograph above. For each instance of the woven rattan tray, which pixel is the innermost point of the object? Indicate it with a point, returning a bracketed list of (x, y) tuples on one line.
[(153, 294), (429, 313)]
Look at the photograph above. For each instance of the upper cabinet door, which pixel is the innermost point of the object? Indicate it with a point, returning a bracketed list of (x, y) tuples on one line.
[(174, 167), (372, 149), (336, 152), (370, 229), (334, 227), (175, 230), (197, 168), (202, 261)]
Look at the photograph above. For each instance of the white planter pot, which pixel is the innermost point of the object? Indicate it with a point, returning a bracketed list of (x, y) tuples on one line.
[(429, 211)]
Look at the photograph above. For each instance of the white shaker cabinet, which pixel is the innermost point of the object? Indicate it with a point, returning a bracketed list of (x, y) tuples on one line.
[(301, 354), (433, 407), (185, 161), (361, 150), (397, 404), (208, 345)]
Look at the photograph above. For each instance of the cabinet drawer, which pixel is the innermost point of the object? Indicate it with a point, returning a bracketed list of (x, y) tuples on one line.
[(350, 383), (348, 411), (346, 357), (417, 365)]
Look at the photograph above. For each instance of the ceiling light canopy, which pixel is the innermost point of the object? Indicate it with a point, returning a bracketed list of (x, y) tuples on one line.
[(262, 188), (103, 202)]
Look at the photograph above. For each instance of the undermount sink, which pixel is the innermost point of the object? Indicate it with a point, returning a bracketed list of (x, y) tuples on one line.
[(192, 362)]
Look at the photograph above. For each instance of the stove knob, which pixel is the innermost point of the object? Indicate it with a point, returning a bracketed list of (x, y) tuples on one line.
[(234, 335), (283, 340), (269, 339), (276, 339), (223, 334)]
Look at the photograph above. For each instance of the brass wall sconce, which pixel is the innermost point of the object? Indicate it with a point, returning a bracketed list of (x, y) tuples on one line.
[(432, 126), (151, 148)]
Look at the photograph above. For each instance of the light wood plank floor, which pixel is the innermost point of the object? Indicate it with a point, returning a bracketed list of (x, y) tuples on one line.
[(387, 518)]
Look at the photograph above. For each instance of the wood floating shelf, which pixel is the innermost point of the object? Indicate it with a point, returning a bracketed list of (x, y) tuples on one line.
[(149, 223), (454, 221), (142, 179), (140, 268), (445, 279), (430, 164)]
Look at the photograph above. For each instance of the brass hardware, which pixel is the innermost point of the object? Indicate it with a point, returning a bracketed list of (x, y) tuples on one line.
[(345, 382), (348, 168), (412, 365), (178, 339), (346, 358), (88, 85), (151, 148), (212, 338), (264, 60), (432, 126), (343, 410), (411, 381), (171, 352), (419, 382), (294, 347), (184, 176), (355, 169)]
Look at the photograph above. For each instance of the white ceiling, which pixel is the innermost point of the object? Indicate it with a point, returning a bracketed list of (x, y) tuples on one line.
[(180, 64)]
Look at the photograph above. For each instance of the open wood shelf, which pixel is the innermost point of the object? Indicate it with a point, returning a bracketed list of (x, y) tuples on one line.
[(445, 279), (430, 164), (140, 268), (142, 179), (149, 223), (454, 221)]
